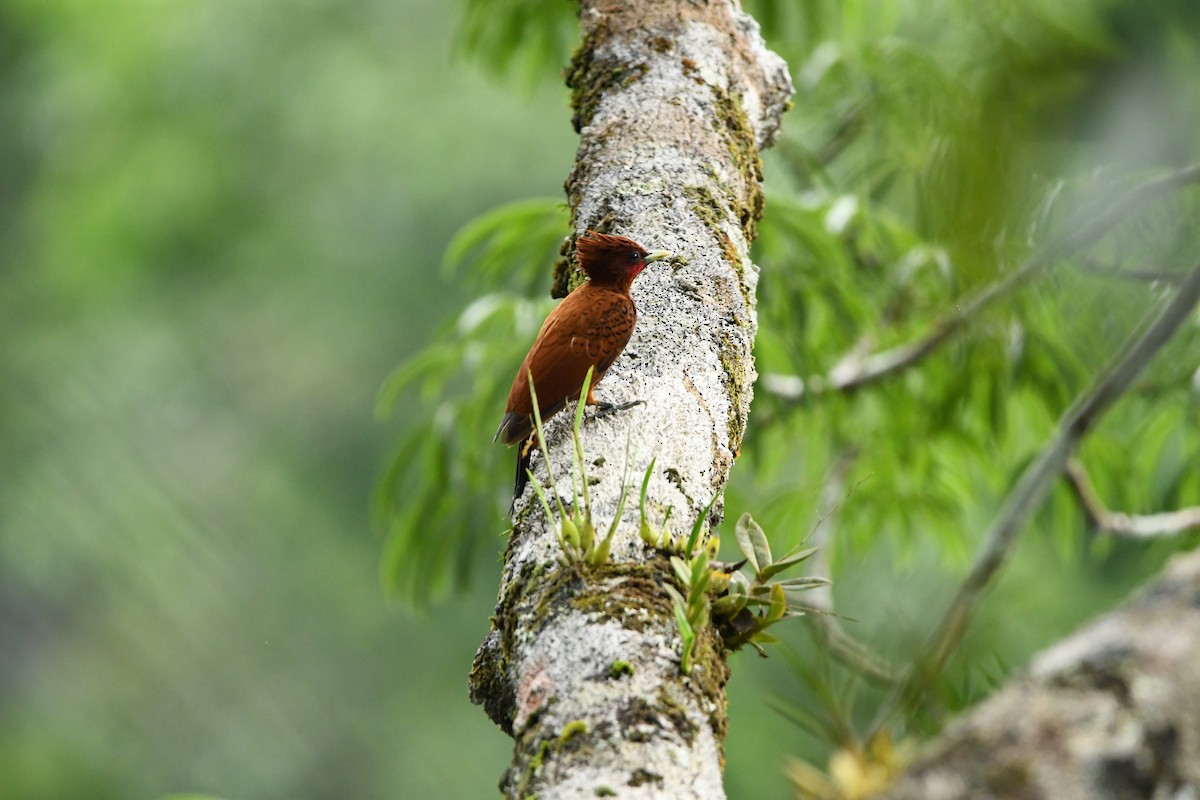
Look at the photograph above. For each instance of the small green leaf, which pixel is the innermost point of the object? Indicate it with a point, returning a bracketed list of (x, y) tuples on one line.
[(578, 464), (685, 625), (698, 525), (729, 604), (745, 544), (718, 580), (541, 437), (681, 571), (587, 382), (605, 546), (540, 492), (758, 539), (739, 583), (646, 531), (802, 583), (701, 616), (778, 605), (776, 567), (571, 533), (587, 534), (601, 553)]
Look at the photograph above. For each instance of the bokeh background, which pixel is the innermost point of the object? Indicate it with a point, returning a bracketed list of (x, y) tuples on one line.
[(223, 224), (221, 227)]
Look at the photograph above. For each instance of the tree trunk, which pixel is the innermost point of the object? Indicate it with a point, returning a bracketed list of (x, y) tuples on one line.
[(1110, 713), (673, 101)]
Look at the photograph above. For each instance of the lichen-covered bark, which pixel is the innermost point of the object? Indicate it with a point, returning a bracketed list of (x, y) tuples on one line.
[(1111, 713), (673, 101)]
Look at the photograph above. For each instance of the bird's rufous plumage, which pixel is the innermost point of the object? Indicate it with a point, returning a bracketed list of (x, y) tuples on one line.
[(588, 329)]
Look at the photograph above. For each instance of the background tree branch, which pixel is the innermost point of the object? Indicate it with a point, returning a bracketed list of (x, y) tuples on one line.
[(1134, 526), (859, 368), (1036, 480), (1110, 713), (825, 623)]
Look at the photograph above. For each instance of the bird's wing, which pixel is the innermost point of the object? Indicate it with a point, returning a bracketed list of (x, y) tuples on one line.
[(587, 329)]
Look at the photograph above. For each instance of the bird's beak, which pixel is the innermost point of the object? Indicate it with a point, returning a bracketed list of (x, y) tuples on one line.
[(658, 255)]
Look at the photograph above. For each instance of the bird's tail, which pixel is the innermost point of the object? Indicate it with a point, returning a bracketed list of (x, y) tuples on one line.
[(524, 453)]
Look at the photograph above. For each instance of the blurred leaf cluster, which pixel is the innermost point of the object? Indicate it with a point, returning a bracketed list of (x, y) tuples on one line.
[(461, 380), (736, 608), (220, 226)]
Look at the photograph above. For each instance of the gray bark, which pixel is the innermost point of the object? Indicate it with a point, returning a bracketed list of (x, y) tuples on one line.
[(1110, 713), (673, 101)]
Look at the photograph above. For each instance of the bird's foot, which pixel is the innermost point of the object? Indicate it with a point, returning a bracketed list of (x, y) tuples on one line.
[(604, 409)]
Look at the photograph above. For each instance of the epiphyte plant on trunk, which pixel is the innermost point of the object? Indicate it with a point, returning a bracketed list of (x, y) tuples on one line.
[(740, 607), (576, 531)]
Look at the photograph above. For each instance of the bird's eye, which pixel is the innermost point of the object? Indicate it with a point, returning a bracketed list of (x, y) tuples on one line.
[(634, 255)]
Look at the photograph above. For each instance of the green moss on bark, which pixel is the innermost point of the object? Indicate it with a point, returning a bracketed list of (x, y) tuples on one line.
[(735, 381), (734, 126), (590, 78)]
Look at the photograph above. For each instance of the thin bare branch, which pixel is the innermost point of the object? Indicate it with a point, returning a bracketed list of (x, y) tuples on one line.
[(855, 371), (1138, 274), (1035, 482), (1133, 526), (826, 626)]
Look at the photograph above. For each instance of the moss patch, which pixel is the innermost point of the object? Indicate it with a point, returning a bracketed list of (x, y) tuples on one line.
[(620, 668), (731, 364), (670, 708), (704, 205), (641, 777), (565, 276), (734, 126), (676, 480), (518, 780), (589, 78), (708, 677), (570, 731), (712, 212), (638, 720), (623, 592)]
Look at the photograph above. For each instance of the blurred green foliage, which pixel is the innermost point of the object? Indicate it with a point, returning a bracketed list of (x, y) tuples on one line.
[(222, 224), (934, 148)]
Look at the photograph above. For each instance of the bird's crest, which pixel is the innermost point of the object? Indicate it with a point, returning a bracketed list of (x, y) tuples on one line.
[(603, 256)]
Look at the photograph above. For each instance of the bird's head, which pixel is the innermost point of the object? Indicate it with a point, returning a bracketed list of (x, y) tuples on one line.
[(613, 260)]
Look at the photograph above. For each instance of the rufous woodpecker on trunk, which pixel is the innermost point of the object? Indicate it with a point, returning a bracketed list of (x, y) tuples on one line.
[(588, 329)]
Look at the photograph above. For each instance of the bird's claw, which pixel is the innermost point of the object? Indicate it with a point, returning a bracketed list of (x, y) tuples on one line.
[(604, 409)]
